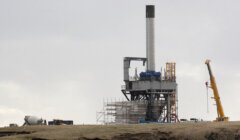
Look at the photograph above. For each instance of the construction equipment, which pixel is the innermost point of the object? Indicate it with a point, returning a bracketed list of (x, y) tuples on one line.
[(221, 116), (33, 120), (13, 125), (60, 122)]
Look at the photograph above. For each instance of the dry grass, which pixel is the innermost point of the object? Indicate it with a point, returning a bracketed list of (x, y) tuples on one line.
[(191, 131)]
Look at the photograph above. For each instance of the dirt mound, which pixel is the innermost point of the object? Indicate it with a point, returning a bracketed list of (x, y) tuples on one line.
[(177, 131)]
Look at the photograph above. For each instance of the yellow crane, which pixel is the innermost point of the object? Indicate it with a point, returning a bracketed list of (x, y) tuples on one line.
[(220, 112)]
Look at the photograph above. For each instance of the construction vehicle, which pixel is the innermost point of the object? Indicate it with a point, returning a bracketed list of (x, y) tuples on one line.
[(221, 116), (13, 125), (33, 120), (60, 122)]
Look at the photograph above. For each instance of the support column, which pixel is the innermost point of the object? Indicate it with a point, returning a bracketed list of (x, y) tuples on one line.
[(168, 109)]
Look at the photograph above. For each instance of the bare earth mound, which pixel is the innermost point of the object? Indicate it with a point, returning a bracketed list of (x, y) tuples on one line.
[(190, 131)]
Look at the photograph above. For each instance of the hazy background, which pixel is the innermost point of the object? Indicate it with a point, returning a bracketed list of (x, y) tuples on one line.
[(61, 58)]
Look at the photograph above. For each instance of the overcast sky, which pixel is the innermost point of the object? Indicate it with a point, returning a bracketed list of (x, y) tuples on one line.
[(61, 58)]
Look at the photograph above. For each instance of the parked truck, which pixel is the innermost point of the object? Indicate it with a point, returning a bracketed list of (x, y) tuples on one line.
[(60, 122)]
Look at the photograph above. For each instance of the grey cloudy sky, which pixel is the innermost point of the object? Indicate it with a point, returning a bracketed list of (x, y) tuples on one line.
[(61, 58)]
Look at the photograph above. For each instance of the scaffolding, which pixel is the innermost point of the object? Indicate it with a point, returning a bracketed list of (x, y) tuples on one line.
[(170, 73), (130, 112), (150, 99)]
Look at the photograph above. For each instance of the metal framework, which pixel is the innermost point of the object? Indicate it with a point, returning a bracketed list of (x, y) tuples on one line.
[(146, 99), (152, 90), (170, 73), (151, 96), (130, 112)]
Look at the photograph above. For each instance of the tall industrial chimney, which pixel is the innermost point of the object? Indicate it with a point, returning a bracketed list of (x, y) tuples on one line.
[(148, 90), (150, 38)]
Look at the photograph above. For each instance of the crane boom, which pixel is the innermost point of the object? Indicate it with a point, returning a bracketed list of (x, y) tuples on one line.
[(220, 112)]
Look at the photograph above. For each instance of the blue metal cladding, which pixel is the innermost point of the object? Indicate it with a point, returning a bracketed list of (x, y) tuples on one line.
[(150, 74)]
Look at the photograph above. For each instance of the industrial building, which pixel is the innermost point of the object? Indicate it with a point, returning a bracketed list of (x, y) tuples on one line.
[(151, 96)]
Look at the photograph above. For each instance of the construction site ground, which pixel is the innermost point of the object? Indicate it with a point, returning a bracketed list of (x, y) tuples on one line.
[(173, 131)]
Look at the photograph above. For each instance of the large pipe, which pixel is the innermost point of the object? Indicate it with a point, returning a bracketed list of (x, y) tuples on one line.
[(150, 37)]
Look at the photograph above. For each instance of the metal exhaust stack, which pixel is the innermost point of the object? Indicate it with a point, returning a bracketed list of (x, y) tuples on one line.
[(147, 94), (150, 38)]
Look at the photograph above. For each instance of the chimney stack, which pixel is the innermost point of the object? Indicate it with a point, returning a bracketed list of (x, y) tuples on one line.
[(150, 37)]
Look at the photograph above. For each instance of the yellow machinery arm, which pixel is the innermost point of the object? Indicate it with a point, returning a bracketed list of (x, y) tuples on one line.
[(220, 112)]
